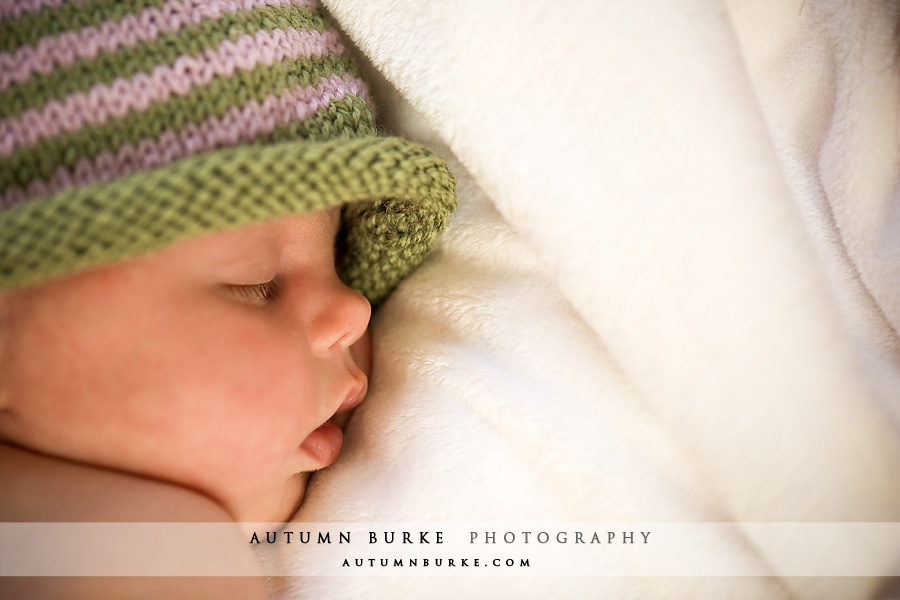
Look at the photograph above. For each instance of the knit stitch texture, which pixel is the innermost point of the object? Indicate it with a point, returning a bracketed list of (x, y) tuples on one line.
[(127, 126)]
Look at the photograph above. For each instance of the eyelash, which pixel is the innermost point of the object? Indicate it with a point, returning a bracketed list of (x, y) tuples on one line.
[(257, 292)]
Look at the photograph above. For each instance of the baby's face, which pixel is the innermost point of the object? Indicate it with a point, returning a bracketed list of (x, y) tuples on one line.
[(216, 363)]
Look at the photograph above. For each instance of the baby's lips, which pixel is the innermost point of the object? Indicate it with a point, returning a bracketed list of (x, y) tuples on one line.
[(353, 399), (323, 445)]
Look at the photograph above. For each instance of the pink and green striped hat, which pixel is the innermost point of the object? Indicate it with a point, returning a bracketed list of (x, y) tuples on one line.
[(126, 126)]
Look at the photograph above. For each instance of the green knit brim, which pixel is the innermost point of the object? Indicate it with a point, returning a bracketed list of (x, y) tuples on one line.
[(399, 197)]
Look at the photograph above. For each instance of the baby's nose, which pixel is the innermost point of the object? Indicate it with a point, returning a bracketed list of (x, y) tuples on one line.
[(342, 319)]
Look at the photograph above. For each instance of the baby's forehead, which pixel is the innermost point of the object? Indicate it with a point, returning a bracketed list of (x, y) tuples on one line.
[(264, 244), (247, 255)]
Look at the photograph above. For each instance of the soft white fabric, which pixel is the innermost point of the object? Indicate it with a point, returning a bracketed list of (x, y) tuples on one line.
[(671, 292)]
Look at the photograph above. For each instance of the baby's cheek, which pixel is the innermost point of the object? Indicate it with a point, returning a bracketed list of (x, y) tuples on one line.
[(289, 404), (265, 390)]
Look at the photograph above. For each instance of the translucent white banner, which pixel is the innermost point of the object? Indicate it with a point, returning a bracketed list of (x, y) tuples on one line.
[(467, 549)]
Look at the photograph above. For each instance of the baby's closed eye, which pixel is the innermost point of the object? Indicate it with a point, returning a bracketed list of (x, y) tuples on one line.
[(256, 292)]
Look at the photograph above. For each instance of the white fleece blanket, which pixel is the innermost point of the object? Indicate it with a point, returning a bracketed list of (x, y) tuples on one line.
[(671, 292)]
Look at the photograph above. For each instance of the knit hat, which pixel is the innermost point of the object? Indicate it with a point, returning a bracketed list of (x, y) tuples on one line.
[(126, 126)]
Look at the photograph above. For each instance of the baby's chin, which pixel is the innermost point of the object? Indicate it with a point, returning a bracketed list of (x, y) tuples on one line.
[(273, 505), (280, 500)]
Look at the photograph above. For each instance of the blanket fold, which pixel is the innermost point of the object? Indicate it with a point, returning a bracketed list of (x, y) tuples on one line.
[(681, 232)]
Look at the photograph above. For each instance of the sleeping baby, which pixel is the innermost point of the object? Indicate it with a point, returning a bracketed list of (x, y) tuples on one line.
[(196, 215)]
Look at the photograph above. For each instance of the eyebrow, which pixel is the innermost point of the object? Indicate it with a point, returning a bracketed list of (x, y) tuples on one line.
[(248, 253)]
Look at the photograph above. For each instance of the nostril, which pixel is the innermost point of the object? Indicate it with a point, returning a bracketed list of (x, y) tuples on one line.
[(361, 354)]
